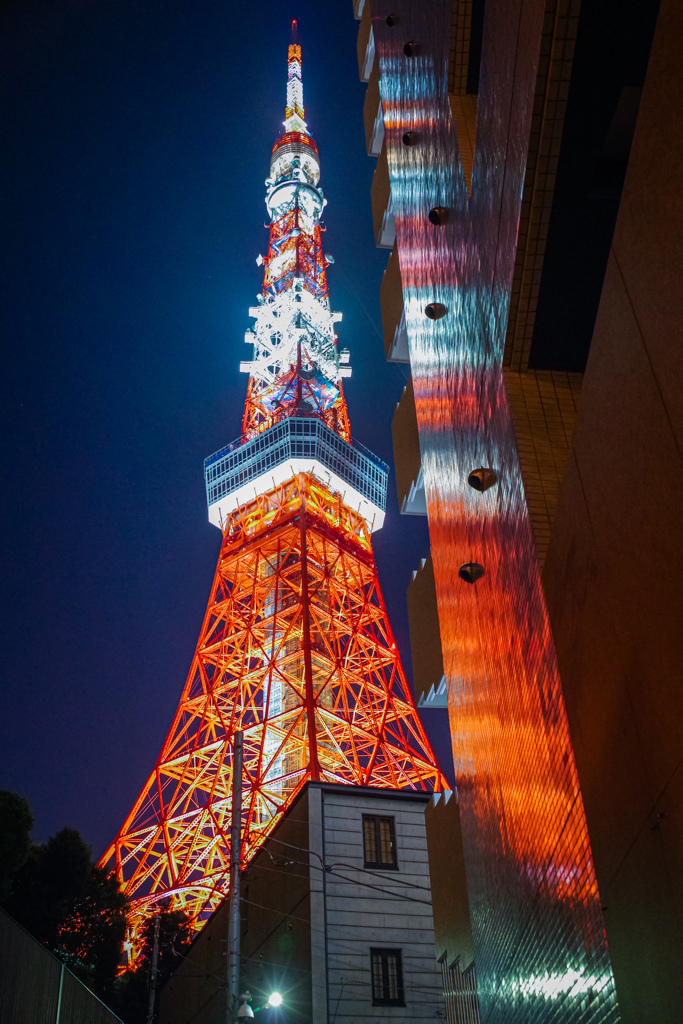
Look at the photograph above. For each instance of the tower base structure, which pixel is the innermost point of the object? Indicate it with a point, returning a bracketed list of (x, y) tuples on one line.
[(296, 651)]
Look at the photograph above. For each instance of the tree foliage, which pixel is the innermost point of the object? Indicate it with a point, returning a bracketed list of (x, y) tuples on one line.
[(16, 822), (71, 906), (49, 884), (76, 909), (90, 939), (175, 937)]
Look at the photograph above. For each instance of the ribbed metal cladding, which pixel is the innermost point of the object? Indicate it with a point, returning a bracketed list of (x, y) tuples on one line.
[(538, 930)]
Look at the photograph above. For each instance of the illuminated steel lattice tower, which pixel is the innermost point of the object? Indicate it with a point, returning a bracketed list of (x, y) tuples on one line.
[(296, 648)]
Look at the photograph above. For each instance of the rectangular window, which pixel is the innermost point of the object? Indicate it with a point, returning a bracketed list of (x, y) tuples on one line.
[(379, 842), (387, 977)]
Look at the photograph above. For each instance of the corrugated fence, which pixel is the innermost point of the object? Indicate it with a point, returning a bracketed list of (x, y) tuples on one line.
[(36, 988)]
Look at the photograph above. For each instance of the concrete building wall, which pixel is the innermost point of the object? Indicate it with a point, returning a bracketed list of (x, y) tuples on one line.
[(615, 562), (396, 914), (196, 990), (452, 925), (425, 641), (543, 408), (276, 936), (277, 926), (307, 932)]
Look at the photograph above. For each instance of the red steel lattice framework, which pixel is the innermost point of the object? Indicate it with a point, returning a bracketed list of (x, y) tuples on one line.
[(296, 649)]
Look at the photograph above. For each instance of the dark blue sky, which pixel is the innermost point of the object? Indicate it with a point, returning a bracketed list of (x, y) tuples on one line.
[(137, 138)]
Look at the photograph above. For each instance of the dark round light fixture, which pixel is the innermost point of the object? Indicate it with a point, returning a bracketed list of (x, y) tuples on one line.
[(483, 478), (438, 216), (470, 572)]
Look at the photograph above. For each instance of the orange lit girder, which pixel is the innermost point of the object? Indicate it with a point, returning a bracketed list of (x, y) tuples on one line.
[(296, 650)]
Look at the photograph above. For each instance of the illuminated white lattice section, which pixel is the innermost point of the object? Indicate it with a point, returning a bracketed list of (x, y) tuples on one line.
[(283, 194), (284, 320)]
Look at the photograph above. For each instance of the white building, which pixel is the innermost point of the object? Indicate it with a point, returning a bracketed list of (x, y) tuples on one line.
[(337, 917)]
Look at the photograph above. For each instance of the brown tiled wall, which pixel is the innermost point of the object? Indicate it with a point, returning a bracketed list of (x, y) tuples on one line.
[(371, 105), (390, 300), (450, 904), (543, 407), (550, 100), (459, 50), (615, 562), (380, 194), (364, 30), (464, 114)]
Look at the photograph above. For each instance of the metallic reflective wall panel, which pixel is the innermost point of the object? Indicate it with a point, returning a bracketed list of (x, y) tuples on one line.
[(539, 936)]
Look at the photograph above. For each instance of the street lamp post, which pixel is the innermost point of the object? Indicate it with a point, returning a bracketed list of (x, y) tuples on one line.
[(233, 958)]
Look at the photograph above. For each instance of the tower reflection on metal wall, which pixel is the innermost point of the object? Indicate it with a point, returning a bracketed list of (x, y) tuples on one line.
[(539, 936)]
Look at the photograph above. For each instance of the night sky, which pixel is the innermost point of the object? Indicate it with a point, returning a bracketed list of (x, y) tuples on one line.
[(137, 137)]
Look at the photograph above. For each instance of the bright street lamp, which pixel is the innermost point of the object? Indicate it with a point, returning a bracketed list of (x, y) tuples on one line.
[(275, 999)]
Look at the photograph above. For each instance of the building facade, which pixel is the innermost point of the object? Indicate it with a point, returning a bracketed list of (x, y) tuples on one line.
[(545, 138), (336, 917)]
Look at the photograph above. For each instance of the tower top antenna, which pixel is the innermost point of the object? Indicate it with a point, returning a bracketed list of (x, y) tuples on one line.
[(294, 114)]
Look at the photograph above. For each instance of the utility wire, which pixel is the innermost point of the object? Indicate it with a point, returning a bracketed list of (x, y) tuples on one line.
[(352, 881), (273, 910), (377, 888), (353, 867), (351, 966)]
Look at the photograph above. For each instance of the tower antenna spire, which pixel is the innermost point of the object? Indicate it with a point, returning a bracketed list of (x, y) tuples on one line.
[(294, 114)]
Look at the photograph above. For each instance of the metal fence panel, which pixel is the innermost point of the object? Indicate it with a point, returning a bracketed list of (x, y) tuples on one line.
[(36, 988)]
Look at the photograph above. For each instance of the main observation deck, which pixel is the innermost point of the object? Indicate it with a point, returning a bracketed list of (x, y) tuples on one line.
[(299, 444)]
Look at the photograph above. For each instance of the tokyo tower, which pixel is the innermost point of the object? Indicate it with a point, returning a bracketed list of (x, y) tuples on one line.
[(295, 649)]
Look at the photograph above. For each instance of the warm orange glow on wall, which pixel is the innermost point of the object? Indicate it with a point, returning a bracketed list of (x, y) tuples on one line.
[(539, 938)]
